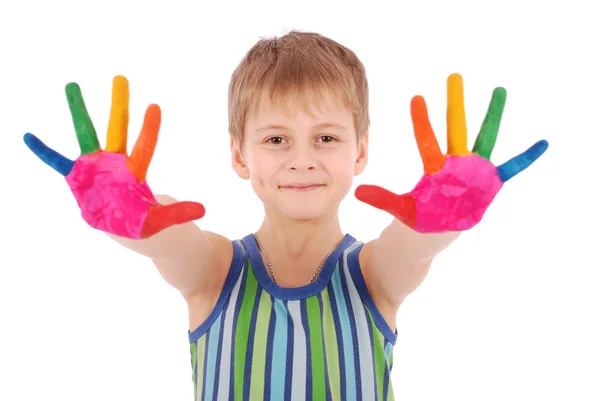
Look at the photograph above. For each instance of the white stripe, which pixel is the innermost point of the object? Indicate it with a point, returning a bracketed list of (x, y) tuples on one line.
[(225, 368), (367, 380), (299, 357)]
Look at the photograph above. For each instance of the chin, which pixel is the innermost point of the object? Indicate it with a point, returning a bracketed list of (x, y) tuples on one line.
[(307, 210), (304, 215)]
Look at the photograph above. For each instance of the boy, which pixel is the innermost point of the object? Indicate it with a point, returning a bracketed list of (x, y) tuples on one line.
[(297, 310)]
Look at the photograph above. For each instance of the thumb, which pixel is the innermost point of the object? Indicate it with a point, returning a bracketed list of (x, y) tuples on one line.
[(163, 216), (402, 207)]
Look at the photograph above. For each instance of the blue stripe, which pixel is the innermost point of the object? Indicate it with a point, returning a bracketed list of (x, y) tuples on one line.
[(354, 334), (269, 355), (212, 347), (309, 384), (204, 370), (388, 350), (386, 374), (346, 337), (236, 314), (372, 349), (386, 383), (289, 361), (219, 349), (340, 340), (280, 348)]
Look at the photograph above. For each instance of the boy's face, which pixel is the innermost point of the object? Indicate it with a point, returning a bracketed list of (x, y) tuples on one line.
[(300, 165)]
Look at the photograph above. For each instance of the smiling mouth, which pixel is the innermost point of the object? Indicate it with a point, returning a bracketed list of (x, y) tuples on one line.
[(302, 187)]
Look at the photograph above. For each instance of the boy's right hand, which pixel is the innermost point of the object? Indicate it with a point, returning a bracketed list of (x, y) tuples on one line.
[(110, 187)]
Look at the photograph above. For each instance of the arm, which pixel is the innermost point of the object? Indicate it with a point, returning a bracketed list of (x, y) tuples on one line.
[(398, 261), (452, 196), (112, 192), (188, 258)]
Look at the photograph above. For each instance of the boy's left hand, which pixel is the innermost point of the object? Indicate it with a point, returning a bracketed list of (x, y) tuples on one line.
[(456, 188)]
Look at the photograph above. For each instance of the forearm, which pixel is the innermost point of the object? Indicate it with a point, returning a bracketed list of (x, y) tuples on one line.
[(409, 248), (172, 243)]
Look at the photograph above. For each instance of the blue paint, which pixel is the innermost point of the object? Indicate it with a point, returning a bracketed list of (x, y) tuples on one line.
[(52, 158), (519, 163)]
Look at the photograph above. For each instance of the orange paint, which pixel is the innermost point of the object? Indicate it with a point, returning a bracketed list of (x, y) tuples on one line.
[(143, 150), (429, 148)]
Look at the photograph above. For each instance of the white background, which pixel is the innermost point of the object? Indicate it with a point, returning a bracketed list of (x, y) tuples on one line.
[(510, 312)]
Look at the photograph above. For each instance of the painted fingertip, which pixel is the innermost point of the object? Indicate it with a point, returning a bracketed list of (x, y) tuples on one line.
[(154, 108), (120, 79), (417, 100), (539, 148), (72, 87), (31, 140), (455, 78), (500, 91)]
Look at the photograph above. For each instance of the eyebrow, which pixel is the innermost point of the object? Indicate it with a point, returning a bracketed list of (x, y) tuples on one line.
[(318, 126)]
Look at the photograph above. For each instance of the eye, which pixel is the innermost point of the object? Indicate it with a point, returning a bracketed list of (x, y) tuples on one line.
[(327, 138), (275, 140)]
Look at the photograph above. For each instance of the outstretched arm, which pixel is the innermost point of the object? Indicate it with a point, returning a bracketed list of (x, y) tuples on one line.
[(112, 192), (451, 197)]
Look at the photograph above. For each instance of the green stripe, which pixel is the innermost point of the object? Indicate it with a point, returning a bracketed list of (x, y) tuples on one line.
[(194, 356), (242, 332), (200, 365), (316, 348), (379, 356), (257, 380), (331, 348)]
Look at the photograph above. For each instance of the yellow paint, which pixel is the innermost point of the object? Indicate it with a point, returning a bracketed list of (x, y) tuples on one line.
[(116, 140), (456, 120)]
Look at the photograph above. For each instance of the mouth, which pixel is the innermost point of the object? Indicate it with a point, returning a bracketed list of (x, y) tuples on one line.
[(301, 187)]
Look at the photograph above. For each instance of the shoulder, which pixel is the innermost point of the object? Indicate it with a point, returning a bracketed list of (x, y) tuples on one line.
[(387, 308), (222, 258)]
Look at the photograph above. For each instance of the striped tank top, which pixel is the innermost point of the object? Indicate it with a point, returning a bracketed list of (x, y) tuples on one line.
[(323, 341)]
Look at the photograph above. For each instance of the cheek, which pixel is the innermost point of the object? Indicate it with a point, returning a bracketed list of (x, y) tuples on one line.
[(342, 167), (263, 171)]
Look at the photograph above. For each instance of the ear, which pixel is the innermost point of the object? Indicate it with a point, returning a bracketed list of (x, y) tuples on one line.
[(363, 154), (237, 160)]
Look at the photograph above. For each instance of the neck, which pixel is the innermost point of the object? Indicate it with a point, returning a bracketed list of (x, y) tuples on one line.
[(297, 238), (297, 248)]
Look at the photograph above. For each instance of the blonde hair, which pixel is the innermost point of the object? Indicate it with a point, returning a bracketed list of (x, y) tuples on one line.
[(298, 70)]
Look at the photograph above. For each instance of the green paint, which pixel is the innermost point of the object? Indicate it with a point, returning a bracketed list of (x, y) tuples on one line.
[(486, 140), (86, 134)]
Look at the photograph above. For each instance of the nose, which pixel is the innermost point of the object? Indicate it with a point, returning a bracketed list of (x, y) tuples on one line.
[(302, 158)]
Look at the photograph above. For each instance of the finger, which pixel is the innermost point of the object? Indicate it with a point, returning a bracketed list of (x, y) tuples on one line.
[(52, 158), (86, 134), (456, 120), (116, 140), (486, 139), (144, 147), (403, 207), (519, 163), (432, 156), (163, 216)]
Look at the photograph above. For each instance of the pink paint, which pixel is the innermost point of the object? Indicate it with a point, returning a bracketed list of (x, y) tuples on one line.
[(456, 197), (111, 199)]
